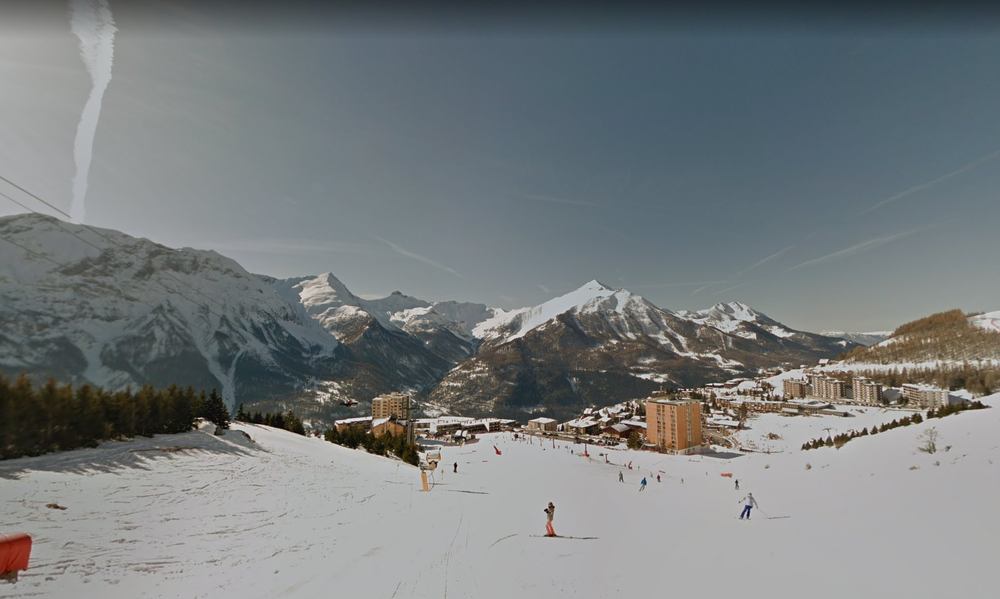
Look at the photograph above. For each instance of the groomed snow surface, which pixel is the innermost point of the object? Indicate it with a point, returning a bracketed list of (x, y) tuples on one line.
[(193, 515)]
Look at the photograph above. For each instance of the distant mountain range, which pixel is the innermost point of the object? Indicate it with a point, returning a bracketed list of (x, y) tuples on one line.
[(866, 339), (114, 310)]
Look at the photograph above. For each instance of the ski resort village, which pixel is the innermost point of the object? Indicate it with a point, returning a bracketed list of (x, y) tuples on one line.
[(741, 487), (318, 300)]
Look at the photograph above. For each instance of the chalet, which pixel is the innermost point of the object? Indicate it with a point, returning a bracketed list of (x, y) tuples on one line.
[(545, 425), (581, 426), (390, 425), (364, 423), (619, 431)]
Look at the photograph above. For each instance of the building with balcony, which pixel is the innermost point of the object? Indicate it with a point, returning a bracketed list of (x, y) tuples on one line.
[(674, 425), (866, 391)]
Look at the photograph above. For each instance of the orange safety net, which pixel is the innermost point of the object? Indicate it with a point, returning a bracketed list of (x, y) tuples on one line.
[(14, 552), (727, 474)]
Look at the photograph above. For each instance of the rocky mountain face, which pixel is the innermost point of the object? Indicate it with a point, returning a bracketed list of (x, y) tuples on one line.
[(114, 310)]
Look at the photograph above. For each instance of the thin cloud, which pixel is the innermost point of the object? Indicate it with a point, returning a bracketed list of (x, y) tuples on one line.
[(288, 246), (856, 248), (667, 285), (731, 288), (932, 183), (423, 259), (700, 289), (543, 288), (765, 260), (554, 200)]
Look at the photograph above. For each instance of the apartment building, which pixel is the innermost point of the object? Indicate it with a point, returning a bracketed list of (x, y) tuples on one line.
[(674, 425), (866, 391), (925, 396), (795, 388), (391, 404), (826, 387)]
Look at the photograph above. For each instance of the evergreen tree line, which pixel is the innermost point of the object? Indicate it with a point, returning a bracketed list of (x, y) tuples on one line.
[(356, 437), (55, 417), (841, 439), (287, 421)]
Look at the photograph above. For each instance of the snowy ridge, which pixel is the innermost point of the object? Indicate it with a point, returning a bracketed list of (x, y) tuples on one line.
[(514, 324)]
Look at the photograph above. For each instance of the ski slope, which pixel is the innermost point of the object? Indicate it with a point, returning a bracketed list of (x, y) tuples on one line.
[(193, 515)]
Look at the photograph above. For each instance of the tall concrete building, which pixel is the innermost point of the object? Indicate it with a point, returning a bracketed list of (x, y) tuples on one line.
[(826, 387), (674, 425), (925, 396), (393, 405), (795, 388), (866, 391)]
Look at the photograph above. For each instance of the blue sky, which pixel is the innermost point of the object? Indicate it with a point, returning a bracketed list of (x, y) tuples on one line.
[(834, 173)]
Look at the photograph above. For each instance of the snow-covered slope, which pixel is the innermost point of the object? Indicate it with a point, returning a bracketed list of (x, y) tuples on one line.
[(989, 321), (195, 515)]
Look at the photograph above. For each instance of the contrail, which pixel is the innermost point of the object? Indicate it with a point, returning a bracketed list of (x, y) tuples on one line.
[(91, 21)]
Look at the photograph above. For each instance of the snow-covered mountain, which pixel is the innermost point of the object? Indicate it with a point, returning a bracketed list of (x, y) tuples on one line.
[(866, 339), (597, 345), (114, 310)]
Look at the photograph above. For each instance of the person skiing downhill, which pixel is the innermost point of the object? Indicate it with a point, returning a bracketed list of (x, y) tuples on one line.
[(737, 484), (621, 477), (642, 486), (456, 467), (550, 513), (748, 502)]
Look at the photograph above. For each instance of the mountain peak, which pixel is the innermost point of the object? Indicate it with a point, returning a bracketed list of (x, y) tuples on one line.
[(594, 285)]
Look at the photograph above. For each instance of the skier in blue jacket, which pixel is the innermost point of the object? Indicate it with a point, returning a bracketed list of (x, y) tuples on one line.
[(642, 487), (748, 502)]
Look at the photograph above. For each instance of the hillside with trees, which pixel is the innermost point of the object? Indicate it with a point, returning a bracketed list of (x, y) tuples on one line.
[(945, 336)]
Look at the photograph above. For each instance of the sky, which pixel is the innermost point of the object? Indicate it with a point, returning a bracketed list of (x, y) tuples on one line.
[(834, 170)]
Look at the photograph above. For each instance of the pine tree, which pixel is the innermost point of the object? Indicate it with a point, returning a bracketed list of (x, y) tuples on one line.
[(215, 410)]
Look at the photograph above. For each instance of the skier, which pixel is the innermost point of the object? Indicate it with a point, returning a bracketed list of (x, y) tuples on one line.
[(642, 486), (737, 484), (550, 513), (748, 502), (657, 478), (621, 477), (456, 467)]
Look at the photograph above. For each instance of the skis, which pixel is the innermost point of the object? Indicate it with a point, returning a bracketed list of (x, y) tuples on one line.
[(562, 537)]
